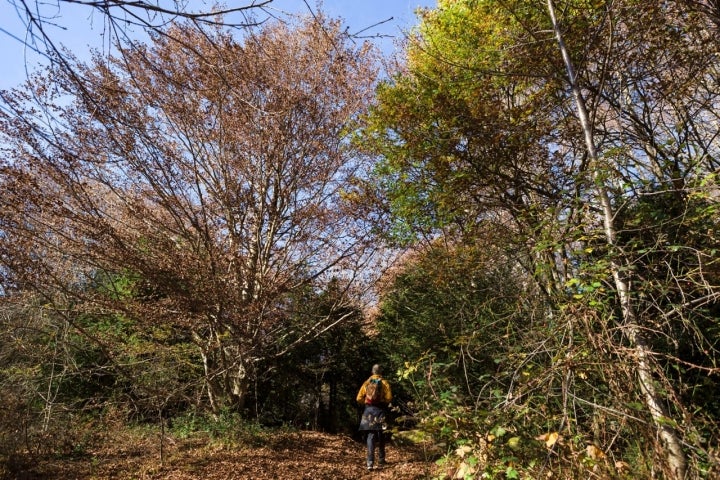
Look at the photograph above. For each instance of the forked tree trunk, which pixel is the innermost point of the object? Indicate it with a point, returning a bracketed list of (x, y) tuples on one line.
[(674, 454)]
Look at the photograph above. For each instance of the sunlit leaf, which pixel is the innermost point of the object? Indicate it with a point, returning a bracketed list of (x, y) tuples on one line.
[(549, 438), (463, 450), (594, 452), (514, 443)]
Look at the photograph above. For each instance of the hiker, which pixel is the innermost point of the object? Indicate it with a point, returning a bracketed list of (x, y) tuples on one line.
[(375, 395)]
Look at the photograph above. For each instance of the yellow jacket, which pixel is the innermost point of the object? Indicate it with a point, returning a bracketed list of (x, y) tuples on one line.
[(386, 391)]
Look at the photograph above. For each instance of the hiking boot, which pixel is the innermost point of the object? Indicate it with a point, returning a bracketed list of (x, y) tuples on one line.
[(369, 466)]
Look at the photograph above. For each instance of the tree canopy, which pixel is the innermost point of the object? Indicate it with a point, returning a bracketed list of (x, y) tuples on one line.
[(557, 127), (191, 225), (197, 184)]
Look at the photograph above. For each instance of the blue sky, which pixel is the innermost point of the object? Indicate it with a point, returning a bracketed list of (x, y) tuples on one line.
[(80, 28)]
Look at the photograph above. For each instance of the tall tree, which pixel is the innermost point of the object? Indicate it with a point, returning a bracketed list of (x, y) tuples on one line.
[(642, 349), (210, 172)]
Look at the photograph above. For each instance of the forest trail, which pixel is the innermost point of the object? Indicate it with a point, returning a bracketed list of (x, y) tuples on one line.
[(296, 456)]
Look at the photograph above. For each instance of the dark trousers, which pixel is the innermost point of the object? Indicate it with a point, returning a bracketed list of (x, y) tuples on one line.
[(375, 438)]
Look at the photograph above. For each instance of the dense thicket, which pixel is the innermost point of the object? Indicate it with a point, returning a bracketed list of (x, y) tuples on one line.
[(607, 221)]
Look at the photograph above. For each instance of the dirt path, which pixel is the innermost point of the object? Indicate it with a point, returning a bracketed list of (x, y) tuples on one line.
[(302, 455)]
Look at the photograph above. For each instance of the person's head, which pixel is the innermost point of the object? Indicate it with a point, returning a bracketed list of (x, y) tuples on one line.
[(376, 369)]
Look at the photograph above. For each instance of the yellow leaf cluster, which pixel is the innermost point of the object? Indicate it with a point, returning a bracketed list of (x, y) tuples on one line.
[(464, 470), (550, 438), (594, 452), (463, 450)]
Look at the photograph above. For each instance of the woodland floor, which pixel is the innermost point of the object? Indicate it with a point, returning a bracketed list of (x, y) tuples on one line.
[(296, 455)]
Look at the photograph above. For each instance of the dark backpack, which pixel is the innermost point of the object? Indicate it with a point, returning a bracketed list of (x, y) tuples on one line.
[(373, 391)]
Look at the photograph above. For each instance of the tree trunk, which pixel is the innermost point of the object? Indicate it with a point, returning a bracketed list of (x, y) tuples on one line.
[(675, 456), (207, 370)]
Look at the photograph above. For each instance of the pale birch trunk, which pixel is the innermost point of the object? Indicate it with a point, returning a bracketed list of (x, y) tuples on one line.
[(675, 456)]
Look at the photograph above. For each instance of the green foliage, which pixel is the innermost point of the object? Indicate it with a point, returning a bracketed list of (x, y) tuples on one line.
[(226, 427), (456, 331), (441, 308), (117, 287), (454, 129), (675, 236), (471, 379), (313, 386), (479, 146)]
